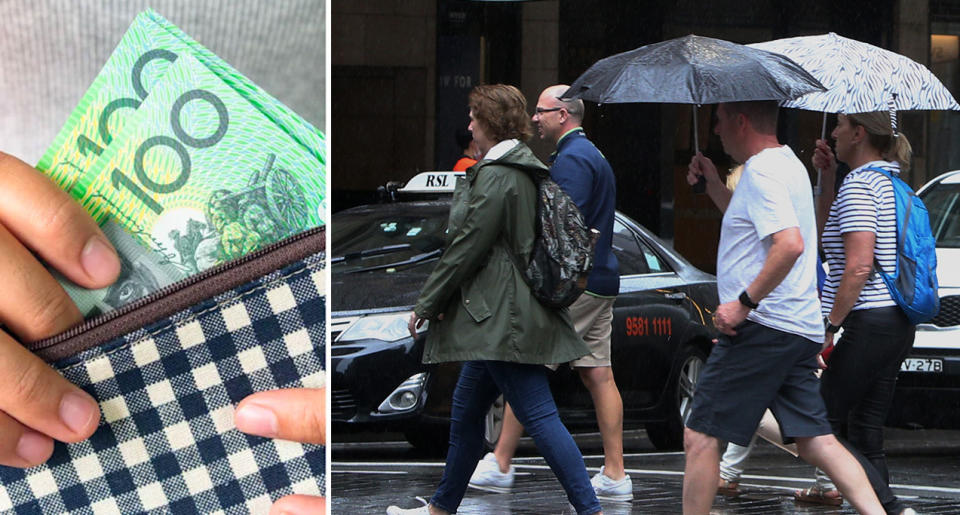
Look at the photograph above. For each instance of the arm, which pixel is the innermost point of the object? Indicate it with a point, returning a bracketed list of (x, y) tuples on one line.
[(786, 247), (824, 160), (858, 248), (573, 174), (718, 191)]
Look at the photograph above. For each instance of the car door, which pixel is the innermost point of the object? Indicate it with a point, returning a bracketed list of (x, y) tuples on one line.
[(649, 314)]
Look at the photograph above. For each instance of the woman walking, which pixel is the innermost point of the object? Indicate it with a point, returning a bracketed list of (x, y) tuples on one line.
[(482, 312), (859, 234)]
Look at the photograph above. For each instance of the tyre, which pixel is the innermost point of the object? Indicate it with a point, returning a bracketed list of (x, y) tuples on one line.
[(493, 423), (434, 439), (668, 435)]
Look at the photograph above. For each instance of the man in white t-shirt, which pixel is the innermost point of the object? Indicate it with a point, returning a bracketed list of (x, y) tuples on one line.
[(769, 314)]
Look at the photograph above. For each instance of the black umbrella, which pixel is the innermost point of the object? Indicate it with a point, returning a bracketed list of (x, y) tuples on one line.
[(693, 70)]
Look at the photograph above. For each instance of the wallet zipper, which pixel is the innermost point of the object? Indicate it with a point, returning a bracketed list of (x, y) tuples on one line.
[(180, 295)]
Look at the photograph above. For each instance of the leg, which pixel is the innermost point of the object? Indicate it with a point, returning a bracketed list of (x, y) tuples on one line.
[(609, 408), (472, 397), (734, 458), (701, 473), (526, 389), (510, 434), (828, 454), (593, 318)]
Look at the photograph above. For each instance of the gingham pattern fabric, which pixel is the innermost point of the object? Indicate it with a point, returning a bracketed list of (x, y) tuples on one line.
[(167, 392)]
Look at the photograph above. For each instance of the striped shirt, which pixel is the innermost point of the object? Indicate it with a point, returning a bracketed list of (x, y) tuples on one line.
[(865, 202)]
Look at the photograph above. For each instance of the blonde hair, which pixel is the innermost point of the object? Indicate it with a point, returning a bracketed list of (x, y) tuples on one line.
[(734, 177), (881, 137)]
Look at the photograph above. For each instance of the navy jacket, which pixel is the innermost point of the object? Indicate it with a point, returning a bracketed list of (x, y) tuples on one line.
[(582, 171)]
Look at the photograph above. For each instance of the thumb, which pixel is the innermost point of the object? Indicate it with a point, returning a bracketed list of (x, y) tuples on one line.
[(295, 414)]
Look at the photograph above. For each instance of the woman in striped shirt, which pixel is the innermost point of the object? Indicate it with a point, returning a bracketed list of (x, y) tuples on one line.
[(860, 231)]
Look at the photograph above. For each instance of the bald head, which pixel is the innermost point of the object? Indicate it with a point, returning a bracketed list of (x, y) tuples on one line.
[(555, 116)]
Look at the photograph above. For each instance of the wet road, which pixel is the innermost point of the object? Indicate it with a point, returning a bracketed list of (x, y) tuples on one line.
[(369, 476)]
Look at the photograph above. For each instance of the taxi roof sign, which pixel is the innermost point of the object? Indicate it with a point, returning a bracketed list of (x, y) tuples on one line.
[(432, 182)]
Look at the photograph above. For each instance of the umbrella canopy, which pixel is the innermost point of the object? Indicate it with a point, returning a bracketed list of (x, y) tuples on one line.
[(693, 70), (860, 77)]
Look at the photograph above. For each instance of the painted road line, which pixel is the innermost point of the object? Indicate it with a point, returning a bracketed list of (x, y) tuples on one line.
[(650, 472)]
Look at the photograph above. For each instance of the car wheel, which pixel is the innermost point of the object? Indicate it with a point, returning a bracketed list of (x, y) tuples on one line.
[(493, 423), (668, 435), (434, 439)]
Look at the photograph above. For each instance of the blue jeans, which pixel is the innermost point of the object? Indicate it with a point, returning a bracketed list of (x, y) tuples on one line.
[(526, 388)]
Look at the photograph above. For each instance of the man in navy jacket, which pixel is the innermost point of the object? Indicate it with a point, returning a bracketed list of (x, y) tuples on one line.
[(582, 171)]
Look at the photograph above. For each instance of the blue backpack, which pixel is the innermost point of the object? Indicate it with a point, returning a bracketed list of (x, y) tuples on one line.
[(913, 285)]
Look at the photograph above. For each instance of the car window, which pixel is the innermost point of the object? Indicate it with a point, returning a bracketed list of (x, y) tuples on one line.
[(371, 239), (630, 254), (943, 203)]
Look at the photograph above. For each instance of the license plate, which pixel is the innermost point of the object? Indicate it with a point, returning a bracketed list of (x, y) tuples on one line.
[(934, 365)]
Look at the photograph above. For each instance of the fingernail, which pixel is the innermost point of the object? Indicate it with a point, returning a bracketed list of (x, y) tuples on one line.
[(76, 410), (256, 420), (99, 260), (33, 447)]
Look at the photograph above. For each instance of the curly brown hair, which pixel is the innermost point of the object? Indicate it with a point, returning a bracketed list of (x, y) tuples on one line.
[(501, 111)]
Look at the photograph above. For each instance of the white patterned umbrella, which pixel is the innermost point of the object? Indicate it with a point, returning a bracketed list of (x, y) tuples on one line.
[(859, 77)]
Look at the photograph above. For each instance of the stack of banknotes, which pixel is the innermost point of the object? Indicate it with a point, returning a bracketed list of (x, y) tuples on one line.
[(184, 162)]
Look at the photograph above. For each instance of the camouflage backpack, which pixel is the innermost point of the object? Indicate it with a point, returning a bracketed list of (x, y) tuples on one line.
[(563, 247)]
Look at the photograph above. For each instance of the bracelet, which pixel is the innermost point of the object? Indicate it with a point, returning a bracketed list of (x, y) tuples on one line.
[(745, 300)]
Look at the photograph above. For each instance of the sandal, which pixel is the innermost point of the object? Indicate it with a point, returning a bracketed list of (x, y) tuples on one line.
[(728, 488), (815, 495)]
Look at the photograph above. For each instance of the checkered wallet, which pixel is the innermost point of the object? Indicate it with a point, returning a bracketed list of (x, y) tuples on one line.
[(168, 371)]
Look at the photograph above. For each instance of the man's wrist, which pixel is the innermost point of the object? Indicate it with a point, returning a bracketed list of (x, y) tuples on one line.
[(747, 301)]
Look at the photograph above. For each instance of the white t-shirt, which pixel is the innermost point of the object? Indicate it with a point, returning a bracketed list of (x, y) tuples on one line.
[(865, 202), (774, 194)]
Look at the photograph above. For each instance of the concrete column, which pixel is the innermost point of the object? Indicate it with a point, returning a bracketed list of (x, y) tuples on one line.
[(912, 38), (539, 56)]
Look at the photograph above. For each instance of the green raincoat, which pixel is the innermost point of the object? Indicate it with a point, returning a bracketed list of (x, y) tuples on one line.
[(489, 311)]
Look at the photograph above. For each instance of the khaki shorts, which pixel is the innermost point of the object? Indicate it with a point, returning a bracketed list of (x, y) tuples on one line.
[(593, 320)]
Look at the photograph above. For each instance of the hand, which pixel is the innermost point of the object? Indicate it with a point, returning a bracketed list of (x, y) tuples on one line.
[(416, 322), (729, 315), (825, 351), (702, 166), (824, 160), (297, 414), (38, 405)]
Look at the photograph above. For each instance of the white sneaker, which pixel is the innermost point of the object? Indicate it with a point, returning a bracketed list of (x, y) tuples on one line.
[(488, 477), (423, 510), (610, 490)]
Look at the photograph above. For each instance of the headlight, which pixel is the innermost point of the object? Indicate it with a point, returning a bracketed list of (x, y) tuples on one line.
[(388, 327), (406, 396)]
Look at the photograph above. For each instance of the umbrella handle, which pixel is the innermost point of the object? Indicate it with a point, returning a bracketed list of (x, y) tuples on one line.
[(701, 185), (818, 189)]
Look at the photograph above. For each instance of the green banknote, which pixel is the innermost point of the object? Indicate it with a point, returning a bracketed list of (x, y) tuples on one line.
[(184, 162), (148, 48)]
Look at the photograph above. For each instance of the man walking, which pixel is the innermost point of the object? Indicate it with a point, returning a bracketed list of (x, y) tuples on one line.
[(584, 174), (769, 314)]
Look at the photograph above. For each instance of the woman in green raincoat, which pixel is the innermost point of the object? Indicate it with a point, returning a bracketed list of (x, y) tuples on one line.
[(482, 312)]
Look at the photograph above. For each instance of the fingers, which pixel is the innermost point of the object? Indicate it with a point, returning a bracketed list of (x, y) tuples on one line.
[(413, 324), (34, 305), (299, 505), (48, 220), (21, 447), (37, 397), (296, 414), (694, 171)]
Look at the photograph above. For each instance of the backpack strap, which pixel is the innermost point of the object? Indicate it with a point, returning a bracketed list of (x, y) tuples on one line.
[(906, 217)]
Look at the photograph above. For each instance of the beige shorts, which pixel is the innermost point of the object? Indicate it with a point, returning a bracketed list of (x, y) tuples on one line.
[(593, 320)]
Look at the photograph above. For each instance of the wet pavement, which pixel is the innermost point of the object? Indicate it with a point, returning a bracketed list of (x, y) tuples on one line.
[(369, 476)]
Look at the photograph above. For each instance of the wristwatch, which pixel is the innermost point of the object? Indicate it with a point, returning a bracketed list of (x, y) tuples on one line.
[(745, 300), (830, 327)]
